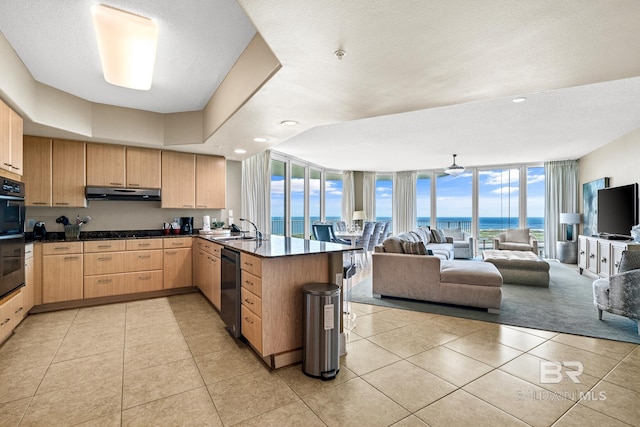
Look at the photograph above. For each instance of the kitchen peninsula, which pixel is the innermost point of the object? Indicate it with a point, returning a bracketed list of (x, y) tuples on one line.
[(273, 272)]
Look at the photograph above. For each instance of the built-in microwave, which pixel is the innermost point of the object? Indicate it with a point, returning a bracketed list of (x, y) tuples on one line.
[(12, 217)]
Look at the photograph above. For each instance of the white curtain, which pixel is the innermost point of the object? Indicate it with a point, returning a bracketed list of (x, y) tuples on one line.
[(562, 190), (369, 195), (348, 196), (256, 190), (405, 214)]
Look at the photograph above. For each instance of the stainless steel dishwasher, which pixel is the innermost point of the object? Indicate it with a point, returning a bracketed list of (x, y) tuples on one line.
[(230, 291)]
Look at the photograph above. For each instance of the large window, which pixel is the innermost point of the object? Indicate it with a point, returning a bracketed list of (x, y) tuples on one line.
[(423, 202), (454, 201), (384, 198), (333, 196), (296, 218), (535, 203), (498, 201), (315, 208), (278, 199)]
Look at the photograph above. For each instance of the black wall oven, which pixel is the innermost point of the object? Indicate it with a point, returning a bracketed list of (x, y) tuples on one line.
[(12, 217)]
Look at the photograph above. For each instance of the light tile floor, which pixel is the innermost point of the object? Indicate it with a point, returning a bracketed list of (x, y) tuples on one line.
[(169, 361)]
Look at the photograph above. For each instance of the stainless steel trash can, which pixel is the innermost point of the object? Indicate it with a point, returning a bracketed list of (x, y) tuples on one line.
[(321, 330)]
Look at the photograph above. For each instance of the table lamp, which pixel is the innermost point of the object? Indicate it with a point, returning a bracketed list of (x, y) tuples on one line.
[(570, 219), (359, 216)]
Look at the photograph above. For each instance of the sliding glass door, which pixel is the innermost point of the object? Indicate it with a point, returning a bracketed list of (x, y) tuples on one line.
[(498, 202)]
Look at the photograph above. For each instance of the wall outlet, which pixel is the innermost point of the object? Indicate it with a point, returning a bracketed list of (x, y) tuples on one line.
[(31, 223)]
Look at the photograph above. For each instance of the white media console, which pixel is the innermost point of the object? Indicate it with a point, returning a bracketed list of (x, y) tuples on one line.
[(602, 256)]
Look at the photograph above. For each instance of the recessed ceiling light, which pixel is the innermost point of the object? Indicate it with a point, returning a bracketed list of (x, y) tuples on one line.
[(127, 45), (521, 99), (260, 139), (289, 123), (239, 151), (218, 147)]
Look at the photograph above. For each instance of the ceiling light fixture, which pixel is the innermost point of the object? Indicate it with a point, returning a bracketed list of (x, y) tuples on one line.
[(521, 99), (239, 151), (260, 139), (289, 123), (127, 44), (454, 170), (340, 54)]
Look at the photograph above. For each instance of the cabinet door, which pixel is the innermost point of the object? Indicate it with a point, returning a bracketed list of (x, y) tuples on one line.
[(215, 271), (177, 268), (582, 253), (37, 173), (5, 137), (178, 180), (616, 257), (604, 258), (592, 256), (210, 182), (15, 125), (143, 168), (105, 165), (68, 172), (28, 279), (62, 278)]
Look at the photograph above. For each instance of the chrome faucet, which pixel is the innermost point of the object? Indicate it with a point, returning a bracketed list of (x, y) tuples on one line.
[(258, 234)]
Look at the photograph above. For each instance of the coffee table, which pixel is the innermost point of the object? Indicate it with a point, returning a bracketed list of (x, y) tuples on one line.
[(519, 267)]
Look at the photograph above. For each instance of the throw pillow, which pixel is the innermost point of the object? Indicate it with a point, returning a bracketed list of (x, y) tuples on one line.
[(414, 248), (454, 233), (630, 261), (437, 236), (518, 235), (393, 245), (427, 234)]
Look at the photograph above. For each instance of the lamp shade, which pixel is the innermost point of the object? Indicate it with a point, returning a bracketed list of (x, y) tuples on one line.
[(358, 215), (569, 218)]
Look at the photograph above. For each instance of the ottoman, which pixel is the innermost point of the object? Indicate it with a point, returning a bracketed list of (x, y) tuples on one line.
[(519, 267)]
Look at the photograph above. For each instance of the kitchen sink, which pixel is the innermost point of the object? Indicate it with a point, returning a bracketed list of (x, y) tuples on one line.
[(226, 238)]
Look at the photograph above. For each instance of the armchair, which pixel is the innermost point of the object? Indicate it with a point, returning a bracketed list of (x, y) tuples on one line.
[(620, 293), (519, 239), (462, 242)]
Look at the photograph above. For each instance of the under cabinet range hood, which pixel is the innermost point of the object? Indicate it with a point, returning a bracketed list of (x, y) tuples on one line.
[(134, 194)]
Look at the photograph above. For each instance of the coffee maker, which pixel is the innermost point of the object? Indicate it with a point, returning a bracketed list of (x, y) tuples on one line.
[(186, 225), (39, 231)]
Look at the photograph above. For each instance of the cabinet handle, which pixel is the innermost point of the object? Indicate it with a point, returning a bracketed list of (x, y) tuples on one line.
[(248, 320), (616, 264), (143, 245), (144, 256), (247, 301), (603, 260), (7, 164), (187, 206), (248, 264), (592, 256), (104, 246), (5, 322), (170, 253), (61, 248), (177, 244), (201, 206), (104, 259), (18, 310), (144, 277), (105, 281), (247, 282), (39, 203), (15, 167), (115, 183), (581, 252), (71, 257), (62, 203), (133, 185), (27, 252)]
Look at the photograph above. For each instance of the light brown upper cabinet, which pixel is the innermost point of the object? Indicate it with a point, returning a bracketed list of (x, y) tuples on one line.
[(143, 168), (210, 182), (37, 173), (105, 165), (10, 140), (178, 180), (68, 173)]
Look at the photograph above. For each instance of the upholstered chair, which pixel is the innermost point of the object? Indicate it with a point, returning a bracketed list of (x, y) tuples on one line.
[(517, 239), (620, 293), (462, 242)]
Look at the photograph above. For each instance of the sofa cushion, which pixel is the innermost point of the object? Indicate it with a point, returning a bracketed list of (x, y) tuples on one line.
[(470, 273), (437, 236), (455, 233), (409, 236), (517, 235), (511, 246), (425, 235), (393, 245), (630, 261), (414, 248)]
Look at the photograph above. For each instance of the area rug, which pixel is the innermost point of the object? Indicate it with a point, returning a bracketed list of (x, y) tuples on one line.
[(565, 306)]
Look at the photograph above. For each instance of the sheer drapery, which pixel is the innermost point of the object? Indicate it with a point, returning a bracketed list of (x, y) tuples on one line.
[(369, 195), (405, 215), (561, 182), (256, 190), (348, 196)]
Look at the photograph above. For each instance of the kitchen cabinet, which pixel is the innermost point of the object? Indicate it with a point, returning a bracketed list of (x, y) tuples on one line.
[(11, 313), (38, 171), (210, 182), (62, 278), (10, 140), (178, 265), (143, 168), (601, 256), (68, 173), (178, 180), (105, 165), (206, 270), (28, 289)]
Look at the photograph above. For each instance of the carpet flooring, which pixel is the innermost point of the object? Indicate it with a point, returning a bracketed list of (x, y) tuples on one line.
[(565, 306)]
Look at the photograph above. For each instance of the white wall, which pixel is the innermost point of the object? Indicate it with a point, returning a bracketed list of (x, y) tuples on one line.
[(121, 215)]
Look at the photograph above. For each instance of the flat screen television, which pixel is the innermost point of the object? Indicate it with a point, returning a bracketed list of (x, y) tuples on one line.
[(617, 210)]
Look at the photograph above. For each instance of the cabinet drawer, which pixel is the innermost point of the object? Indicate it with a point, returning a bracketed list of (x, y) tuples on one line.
[(28, 251), (215, 250), (143, 260), (104, 246), (103, 263), (204, 245), (144, 281), (252, 283), (62, 248), (177, 242), (251, 328), (251, 301), (104, 286), (251, 264), (138, 244)]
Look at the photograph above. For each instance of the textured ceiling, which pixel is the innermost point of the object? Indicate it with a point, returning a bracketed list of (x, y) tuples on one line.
[(421, 79)]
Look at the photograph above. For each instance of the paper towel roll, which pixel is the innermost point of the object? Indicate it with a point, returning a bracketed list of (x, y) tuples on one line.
[(206, 223)]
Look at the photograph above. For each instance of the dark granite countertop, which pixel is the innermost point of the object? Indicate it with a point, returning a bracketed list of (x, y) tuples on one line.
[(104, 235), (278, 246)]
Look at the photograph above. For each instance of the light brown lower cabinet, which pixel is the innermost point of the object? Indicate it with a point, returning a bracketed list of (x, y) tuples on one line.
[(62, 265), (12, 311), (177, 268), (206, 270)]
